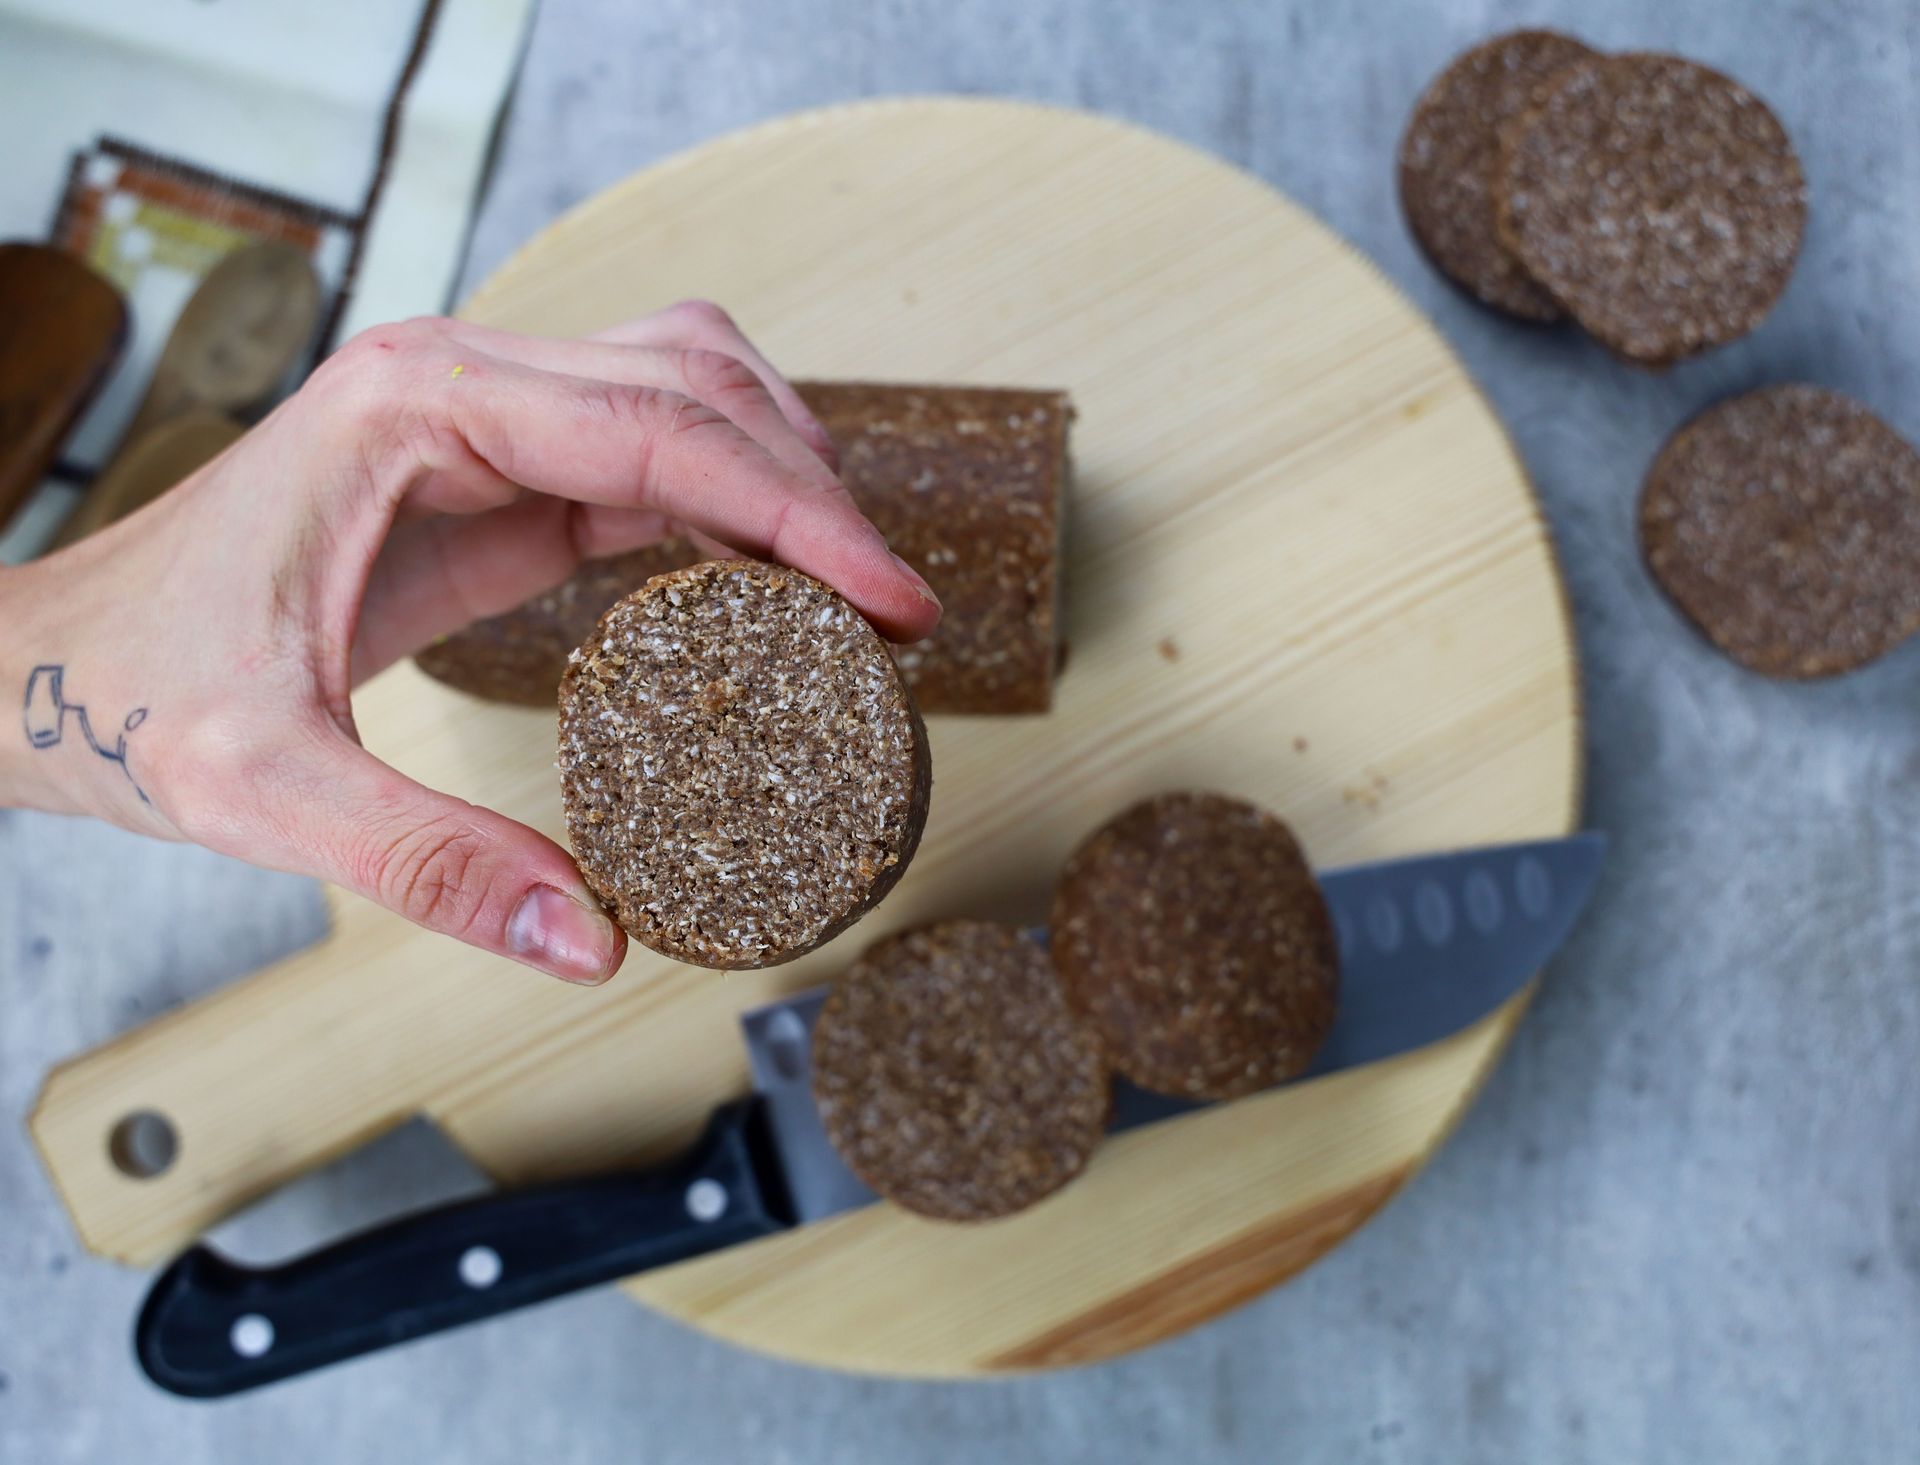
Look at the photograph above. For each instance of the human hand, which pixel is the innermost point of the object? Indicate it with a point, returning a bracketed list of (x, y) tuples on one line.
[(188, 671)]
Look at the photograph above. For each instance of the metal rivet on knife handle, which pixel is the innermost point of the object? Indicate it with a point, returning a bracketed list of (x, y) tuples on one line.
[(706, 1200)]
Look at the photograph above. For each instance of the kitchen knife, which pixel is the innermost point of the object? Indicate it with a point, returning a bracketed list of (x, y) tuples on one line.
[(1428, 946)]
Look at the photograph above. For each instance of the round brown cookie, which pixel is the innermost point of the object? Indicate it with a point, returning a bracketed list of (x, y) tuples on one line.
[(519, 656), (1191, 933), (743, 771), (1448, 156), (1786, 525), (952, 1078), (1659, 201)]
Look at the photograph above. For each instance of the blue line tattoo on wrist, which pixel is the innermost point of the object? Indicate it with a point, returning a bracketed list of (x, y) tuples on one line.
[(45, 712)]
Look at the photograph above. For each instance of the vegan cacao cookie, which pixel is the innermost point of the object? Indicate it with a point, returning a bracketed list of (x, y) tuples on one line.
[(951, 1077), (518, 656), (1448, 156), (969, 486), (1660, 202), (1786, 525), (1191, 933), (743, 772)]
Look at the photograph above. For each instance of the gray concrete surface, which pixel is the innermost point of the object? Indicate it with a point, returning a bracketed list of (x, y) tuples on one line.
[(1683, 1222)]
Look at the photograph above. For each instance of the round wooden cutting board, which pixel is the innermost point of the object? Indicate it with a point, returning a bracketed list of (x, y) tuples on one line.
[(1305, 567)]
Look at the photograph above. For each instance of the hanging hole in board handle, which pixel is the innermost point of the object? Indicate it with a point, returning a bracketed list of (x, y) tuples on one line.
[(143, 1144)]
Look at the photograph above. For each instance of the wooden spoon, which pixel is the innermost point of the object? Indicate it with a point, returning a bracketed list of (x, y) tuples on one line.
[(148, 467), (61, 330), (237, 338), (235, 341)]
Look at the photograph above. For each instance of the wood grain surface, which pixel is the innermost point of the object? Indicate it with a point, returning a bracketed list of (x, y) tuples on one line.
[(1305, 567)]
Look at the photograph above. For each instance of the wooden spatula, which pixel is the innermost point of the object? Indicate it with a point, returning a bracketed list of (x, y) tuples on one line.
[(149, 466), (61, 330)]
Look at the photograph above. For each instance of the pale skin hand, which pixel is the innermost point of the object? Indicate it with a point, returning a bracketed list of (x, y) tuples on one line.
[(429, 473)]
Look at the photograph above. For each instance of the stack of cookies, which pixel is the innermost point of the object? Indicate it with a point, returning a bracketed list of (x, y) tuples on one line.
[(1660, 205), (1656, 202)]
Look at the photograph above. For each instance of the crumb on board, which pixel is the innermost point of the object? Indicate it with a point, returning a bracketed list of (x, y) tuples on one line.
[(1369, 791)]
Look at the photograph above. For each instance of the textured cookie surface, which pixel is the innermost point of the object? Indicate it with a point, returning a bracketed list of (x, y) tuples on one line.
[(1786, 525), (952, 1078), (1660, 202), (519, 656), (1448, 156), (743, 771), (969, 486), (1192, 934)]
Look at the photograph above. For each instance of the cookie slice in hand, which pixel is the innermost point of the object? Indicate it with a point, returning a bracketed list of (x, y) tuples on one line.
[(1448, 156), (743, 772), (1660, 202), (951, 1077), (1786, 525)]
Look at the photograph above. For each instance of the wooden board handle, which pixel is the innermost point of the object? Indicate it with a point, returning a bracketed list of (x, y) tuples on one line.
[(157, 1136)]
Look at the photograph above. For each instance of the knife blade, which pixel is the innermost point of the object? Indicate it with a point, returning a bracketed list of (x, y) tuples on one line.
[(1428, 946)]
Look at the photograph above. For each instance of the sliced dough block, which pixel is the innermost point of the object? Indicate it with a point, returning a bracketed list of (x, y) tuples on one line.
[(969, 485), (519, 655)]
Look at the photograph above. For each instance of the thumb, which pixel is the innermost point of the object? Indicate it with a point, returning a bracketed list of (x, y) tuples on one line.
[(455, 868)]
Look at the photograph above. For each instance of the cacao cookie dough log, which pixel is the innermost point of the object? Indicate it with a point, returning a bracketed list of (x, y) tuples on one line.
[(518, 656), (1785, 524), (969, 486), (1662, 203), (743, 771), (1448, 156), (951, 1077), (1191, 933)]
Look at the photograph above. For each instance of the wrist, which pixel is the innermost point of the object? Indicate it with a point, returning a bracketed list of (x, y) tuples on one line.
[(57, 752), (24, 778)]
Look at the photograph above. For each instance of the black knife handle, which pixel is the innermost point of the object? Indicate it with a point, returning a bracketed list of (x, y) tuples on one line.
[(211, 1327)]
